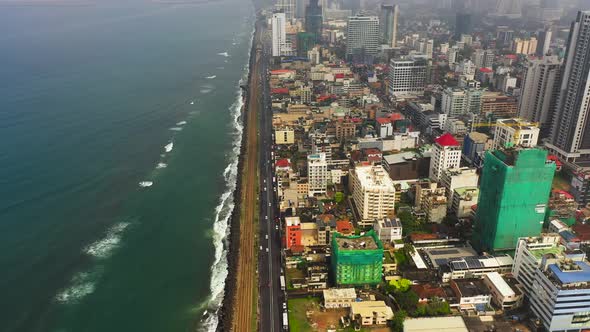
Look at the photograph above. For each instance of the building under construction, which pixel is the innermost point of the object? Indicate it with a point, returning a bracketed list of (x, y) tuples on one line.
[(514, 193), (357, 260)]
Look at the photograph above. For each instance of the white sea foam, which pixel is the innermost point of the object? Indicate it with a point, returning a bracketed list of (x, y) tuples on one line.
[(84, 283), (161, 165), (81, 285), (181, 123), (175, 128), (211, 77), (104, 248), (206, 90), (225, 54), (223, 211), (168, 147)]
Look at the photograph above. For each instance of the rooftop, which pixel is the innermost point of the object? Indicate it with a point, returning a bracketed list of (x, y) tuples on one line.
[(501, 284), (447, 140), (440, 324), (360, 243), (571, 272), (374, 177), (369, 308), (471, 287), (339, 293)]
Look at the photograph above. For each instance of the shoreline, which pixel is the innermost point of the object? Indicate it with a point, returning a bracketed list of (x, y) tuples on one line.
[(225, 312)]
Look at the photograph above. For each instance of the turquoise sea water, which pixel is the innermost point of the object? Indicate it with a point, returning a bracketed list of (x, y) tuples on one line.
[(90, 94)]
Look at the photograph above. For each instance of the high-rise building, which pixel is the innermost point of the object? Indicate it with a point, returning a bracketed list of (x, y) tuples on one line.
[(305, 42), (357, 260), (314, 19), (514, 191), (407, 76), (373, 193), (509, 8), (300, 6), (515, 132), (292, 232), (539, 92), (388, 24), (544, 41), (317, 173), (280, 45), (446, 154), (463, 25), (455, 178), (525, 46), (287, 7), (456, 102), (556, 281), (570, 137), (362, 37)]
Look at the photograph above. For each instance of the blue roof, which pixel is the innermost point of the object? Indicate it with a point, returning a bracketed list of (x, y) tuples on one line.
[(567, 277)]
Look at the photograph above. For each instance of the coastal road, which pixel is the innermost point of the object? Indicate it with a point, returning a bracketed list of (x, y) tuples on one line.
[(244, 303), (271, 296)]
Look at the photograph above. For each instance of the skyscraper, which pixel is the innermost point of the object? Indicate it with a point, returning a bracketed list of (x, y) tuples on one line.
[(539, 92), (279, 34), (544, 41), (313, 19), (463, 25), (388, 24), (362, 37), (287, 7), (570, 135), (407, 76), (514, 192)]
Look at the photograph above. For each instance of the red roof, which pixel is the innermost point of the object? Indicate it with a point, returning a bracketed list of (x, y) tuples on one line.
[(339, 76), (485, 70), (510, 56), (555, 160), (280, 91), (281, 71), (383, 121), (564, 193), (447, 140), (344, 226), (582, 232), (283, 163), (396, 116)]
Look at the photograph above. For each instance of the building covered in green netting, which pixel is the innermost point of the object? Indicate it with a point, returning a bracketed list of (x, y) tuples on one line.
[(514, 192), (357, 259)]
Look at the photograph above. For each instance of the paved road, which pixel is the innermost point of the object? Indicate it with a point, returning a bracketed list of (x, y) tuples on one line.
[(269, 267)]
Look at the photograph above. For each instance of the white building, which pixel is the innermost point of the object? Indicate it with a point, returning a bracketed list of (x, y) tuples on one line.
[(515, 132), (388, 229), (454, 178), (407, 76), (362, 35), (336, 298), (373, 193), (318, 175), (446, 153), (457, 102), (280, 45), (539, 91), (556, 282), (506, 297), (371, 313), (463, 201), (476, 267), (570, 137)]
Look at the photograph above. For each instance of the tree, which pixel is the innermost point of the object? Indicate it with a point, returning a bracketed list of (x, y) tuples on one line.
[(397, 324), (339, 197), (408, 249), (399, 285), (408, 301)]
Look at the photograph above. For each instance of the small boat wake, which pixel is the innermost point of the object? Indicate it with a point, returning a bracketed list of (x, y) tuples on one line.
[(145, 184), (211, 77), (225, 54)]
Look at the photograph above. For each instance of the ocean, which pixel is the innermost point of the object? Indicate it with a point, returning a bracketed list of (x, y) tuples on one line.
[(97, 97)]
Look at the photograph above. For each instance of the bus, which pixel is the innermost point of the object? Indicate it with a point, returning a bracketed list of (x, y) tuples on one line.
[(285, 321), (282, 282)]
